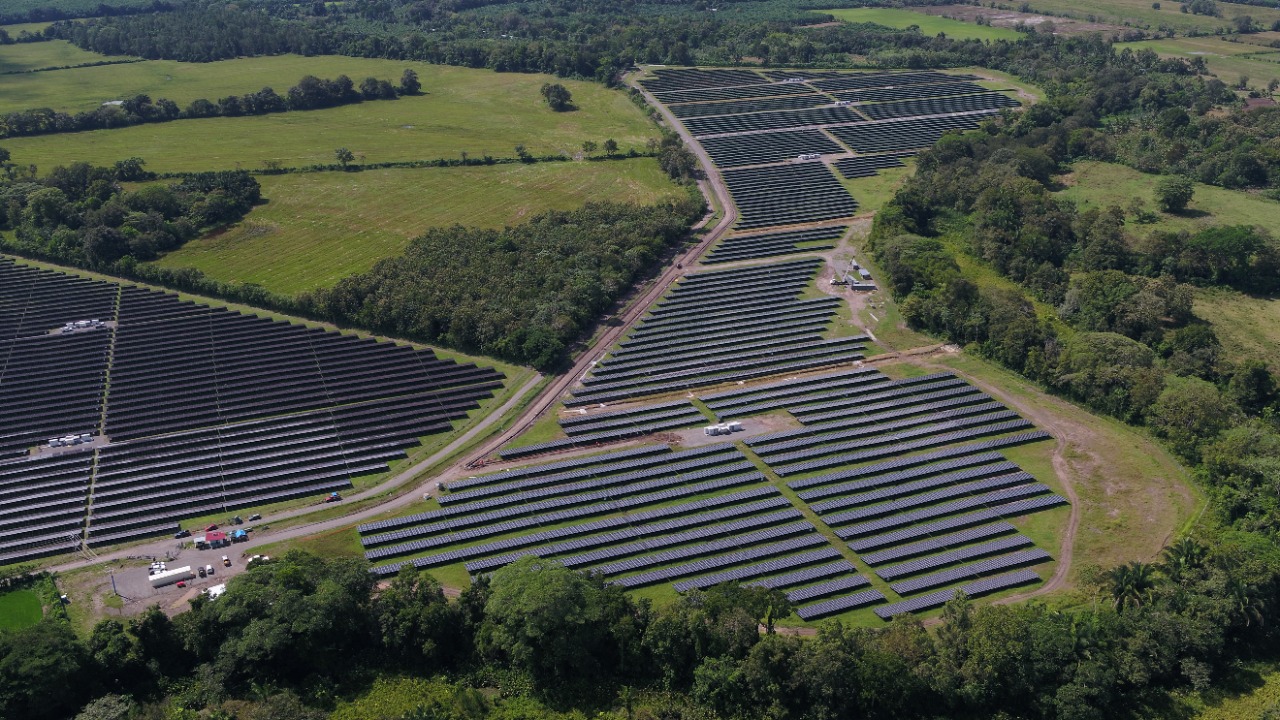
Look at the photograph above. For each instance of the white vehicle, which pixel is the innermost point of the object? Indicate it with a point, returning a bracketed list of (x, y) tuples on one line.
[(169, 577)]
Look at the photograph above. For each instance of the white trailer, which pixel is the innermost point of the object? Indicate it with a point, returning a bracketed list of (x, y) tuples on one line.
[(169, 577)]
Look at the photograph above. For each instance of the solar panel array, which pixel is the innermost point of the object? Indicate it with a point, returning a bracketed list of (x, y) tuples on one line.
[(759, 119), (729, 151), (788, 195), (752, 247), (207, 410), (722, 326)]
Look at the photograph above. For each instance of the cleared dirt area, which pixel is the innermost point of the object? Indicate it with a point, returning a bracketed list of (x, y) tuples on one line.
[(1012, 18)]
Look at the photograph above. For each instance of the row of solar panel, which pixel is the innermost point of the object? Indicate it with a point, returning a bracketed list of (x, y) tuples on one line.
[(748, 553), (640, 523), (561, 466), (621, 432), (579, 506), (555, 485), (749, 572), (916, 442), (613, 546)]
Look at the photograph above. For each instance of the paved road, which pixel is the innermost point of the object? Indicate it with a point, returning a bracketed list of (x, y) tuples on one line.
[(713, 184)]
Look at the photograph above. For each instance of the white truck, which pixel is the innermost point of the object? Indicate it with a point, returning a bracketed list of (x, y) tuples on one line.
[(169, 577)]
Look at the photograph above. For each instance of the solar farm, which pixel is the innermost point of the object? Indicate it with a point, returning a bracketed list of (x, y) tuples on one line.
[(883, 496), (124, 410), (888, 496), (782, 140)]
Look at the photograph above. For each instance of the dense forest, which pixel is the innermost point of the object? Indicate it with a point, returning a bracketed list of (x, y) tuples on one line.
[(294, 636), (523, 292), (82, 215), (311, 93)]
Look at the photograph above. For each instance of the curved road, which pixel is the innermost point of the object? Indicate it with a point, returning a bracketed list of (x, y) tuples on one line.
[(712, 185)]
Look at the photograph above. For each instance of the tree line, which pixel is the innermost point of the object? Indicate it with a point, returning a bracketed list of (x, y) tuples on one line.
[(1096, 308), (311, 93), (292, 636)]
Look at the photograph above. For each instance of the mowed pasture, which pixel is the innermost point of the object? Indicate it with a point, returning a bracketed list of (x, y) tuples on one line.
[(928, 24), (317, 228), (1140, 13), (24, 57), (478, 112), (1229, 61), (1100, 185)]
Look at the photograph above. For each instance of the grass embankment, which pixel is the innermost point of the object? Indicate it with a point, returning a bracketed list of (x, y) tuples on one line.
[(929, 25), (478, 112), (317, 228), (19, 609)]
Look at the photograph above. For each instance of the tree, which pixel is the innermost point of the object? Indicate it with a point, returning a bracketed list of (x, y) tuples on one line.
[(417, 624), (1184, 555), (344, 156), (1131, 584), (1189, 412), (557, 96), (558, 625), (589, 146), (107, 707), (1174, 194), (43, 672), (610, 147), (409, 84)]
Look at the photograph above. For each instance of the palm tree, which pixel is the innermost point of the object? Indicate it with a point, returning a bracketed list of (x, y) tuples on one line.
[(1185, 554), (1131, 584), (1244, 602)]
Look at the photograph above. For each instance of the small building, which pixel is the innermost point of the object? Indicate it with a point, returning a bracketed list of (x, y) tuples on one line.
[(216, 539)]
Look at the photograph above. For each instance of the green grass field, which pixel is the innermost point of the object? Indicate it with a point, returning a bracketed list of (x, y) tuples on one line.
[(1100, 185), (474, 111), (1140, 13), (31, 27), (1248, 326), (19, 609), (22, 57), (317, 228), (896, 18), (1227, 60)]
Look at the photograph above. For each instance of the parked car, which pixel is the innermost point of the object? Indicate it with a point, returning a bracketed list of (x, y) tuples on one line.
[(182, 583), (211, 528), (208, 569), (254, 516), (181, 534), (226, 561), (201, 572)]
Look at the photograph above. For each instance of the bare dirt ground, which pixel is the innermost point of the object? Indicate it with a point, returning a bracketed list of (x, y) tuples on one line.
[(1011, 18)]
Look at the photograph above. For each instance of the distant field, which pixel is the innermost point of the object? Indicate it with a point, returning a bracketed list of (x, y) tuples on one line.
[(929, 25), (86, 88), (464, 110), (320, 227), (21, 57), (32, 27), (1140, 13), (1227, 60), (1097, 184), (19, 609)]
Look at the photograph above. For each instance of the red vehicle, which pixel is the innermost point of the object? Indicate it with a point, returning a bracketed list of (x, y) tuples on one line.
[(211, 528)]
